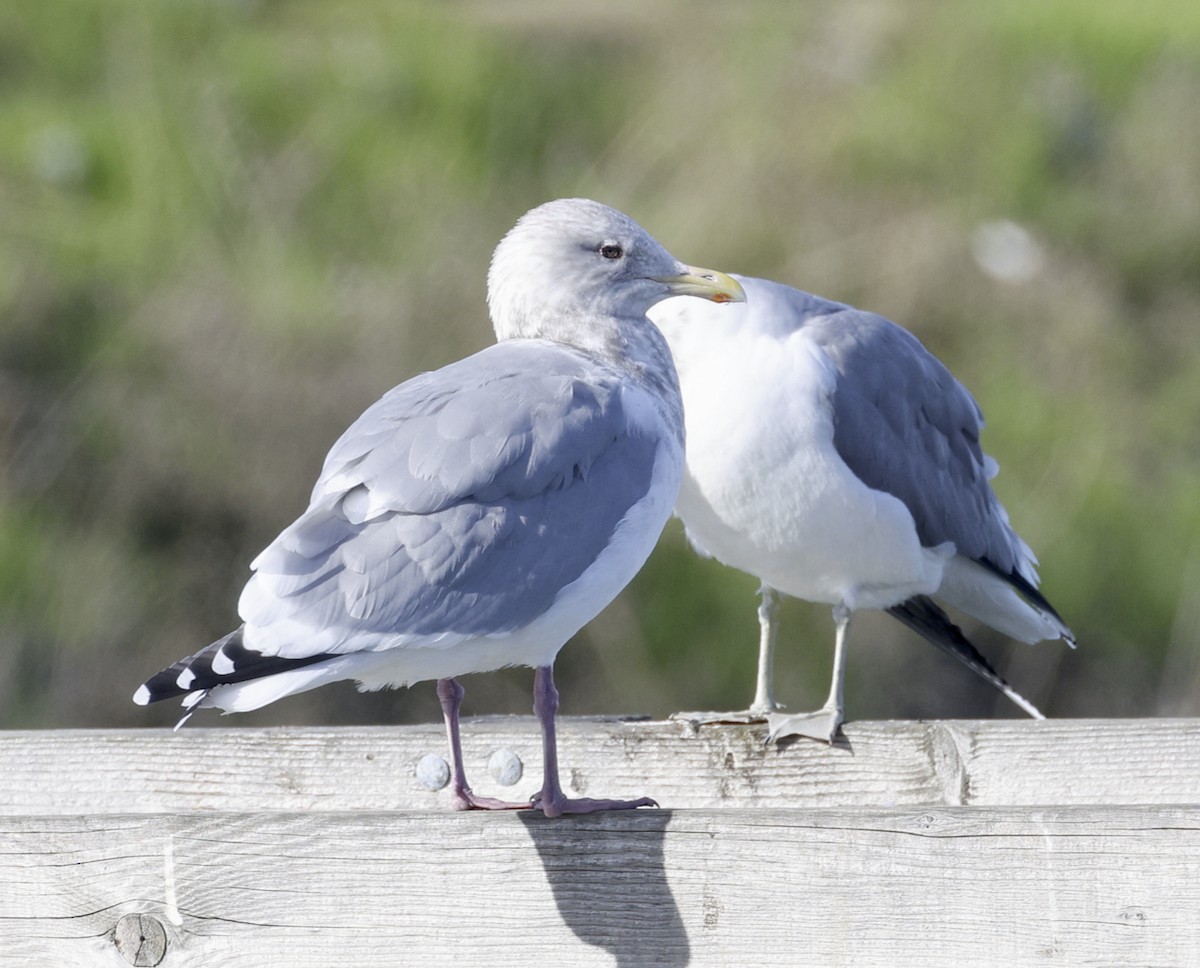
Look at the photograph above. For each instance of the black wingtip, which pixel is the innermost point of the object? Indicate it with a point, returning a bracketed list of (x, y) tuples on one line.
[(195, 672), (166, 684), (926, 618)]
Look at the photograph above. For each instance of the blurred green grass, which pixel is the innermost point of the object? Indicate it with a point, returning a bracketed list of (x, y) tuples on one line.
[(230, 225)]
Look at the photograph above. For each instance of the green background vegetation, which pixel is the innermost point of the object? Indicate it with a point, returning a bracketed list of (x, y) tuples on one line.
[(229, 226)]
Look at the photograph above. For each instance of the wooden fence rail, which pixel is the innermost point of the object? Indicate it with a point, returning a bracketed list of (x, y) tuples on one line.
[(1004, 843)]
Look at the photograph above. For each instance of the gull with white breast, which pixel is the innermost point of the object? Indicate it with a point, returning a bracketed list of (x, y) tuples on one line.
[(476, 517), (835, 458)]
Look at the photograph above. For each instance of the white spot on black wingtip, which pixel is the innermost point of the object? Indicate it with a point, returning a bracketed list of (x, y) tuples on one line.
[(185, 678), (142, 696), (222, 664)]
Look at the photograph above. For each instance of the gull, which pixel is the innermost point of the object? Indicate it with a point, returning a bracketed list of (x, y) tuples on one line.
[(833, 457), (476, 517)]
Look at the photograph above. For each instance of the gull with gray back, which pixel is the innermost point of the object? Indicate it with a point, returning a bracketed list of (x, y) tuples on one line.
[(476, 517), (833, 457)]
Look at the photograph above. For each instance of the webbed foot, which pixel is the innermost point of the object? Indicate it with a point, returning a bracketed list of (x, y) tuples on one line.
[(561, 804), (755, 714), (823, 725)]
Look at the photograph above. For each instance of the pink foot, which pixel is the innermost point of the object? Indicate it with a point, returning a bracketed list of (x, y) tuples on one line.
[(559, 805), (552, 801), (466, 800)]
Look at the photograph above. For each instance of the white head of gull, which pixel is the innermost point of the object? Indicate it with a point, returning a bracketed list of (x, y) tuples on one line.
[(476, 517), (833, 457)]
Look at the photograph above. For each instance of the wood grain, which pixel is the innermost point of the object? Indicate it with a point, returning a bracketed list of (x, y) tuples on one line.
[(901, 888), (992, 763), (907, 845)]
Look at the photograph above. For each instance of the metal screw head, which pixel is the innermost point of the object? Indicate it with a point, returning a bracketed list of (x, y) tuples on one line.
[(506, 767), (141, 939), (433, 772)]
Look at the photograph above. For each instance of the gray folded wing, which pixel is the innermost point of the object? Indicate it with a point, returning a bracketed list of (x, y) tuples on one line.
[(461, 503), (904, 425)]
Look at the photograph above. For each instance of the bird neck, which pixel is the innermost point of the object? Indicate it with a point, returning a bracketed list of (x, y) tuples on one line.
[(632, 345)]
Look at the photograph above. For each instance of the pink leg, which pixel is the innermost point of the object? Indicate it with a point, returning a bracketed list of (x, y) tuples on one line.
[(552, 800), (450, 694)]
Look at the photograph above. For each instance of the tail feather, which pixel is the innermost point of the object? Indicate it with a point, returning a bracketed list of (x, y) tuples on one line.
[(924, 616)]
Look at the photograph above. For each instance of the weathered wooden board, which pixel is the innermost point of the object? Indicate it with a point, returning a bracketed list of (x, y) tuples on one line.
[(1056, 762), (899, 888)]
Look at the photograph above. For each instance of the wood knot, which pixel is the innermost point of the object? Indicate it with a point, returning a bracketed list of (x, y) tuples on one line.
[(141, 939)]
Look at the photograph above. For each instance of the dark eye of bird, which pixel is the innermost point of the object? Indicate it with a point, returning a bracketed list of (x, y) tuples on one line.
[(610, 250)]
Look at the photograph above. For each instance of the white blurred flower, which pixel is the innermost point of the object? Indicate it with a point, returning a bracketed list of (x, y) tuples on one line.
[(1006, 251)]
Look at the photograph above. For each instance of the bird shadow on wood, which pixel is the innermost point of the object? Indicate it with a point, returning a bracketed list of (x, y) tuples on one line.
[(607, 874)]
